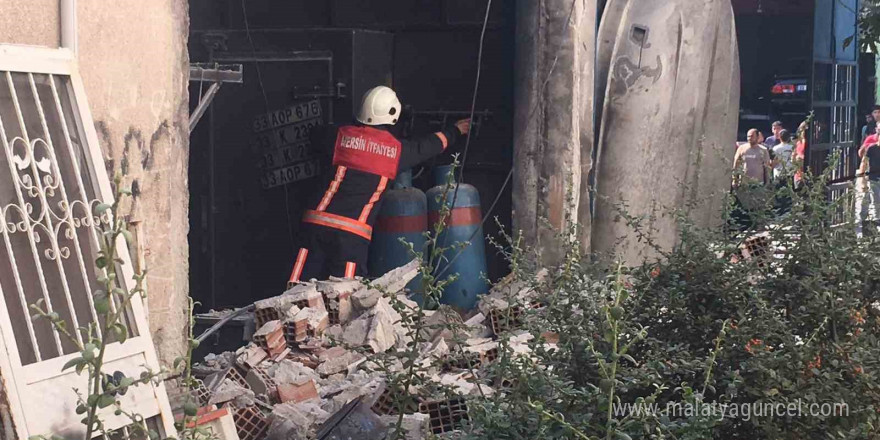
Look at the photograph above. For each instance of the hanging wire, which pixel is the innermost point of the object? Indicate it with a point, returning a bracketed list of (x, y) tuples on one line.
[(247, 30), (532, 113)]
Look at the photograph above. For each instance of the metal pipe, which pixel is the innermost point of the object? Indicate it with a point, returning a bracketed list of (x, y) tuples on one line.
[(203, 106), (67, 10)]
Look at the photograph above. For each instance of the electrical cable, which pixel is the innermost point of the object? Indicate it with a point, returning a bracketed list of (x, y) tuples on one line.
[(247, 30), (531, 115), (467, 142)]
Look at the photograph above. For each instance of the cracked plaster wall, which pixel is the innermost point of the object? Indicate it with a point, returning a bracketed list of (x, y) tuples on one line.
[(134, 64)]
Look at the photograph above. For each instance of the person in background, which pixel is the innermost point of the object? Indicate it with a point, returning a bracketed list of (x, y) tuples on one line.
[(868, 129), (751, 176), (800, 153), (753, 160), (774, 140), (871, 139), (869, 184), (783, 168), (782, 157)]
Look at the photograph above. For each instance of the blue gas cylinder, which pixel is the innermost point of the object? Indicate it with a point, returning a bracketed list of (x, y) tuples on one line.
[(403, 215), (463, 222)]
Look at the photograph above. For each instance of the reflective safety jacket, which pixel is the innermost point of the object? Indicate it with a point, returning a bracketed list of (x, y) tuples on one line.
[(364, 161)]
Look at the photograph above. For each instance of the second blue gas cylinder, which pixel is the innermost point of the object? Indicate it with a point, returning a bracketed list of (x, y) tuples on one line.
[(465, 253), (403, 215)]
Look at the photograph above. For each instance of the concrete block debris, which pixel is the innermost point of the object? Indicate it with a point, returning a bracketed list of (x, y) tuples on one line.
[(322, 346), (445, 415), (270, 337), (250, 423)]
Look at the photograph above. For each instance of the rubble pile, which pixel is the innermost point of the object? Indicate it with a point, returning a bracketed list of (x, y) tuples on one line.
[(311, 356)]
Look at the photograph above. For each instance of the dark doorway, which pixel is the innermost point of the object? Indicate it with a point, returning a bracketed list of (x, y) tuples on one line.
[(307, 63)]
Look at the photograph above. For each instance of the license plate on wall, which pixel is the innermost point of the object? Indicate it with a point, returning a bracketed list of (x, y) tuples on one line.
[(291, 115), (293, 173), (285, 156)]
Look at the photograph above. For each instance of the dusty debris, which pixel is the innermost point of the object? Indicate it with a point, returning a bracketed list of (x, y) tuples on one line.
[(415, 426), (361, 424), (287, 372), (345, 362), (375, 328), (337, 297), (231, 391), (260, 382), (476, 326), (295, 420), (441, 324), (392, 282), (307, 322), (251, 356), (306, 361)]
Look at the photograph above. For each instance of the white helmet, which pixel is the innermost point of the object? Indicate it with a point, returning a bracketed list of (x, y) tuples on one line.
[(380, 106)]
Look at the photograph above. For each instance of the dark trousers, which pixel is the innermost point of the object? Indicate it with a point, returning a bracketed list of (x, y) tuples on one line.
[(326, 252)]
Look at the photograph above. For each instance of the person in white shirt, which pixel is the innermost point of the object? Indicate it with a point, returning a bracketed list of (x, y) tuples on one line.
[(782, 157)]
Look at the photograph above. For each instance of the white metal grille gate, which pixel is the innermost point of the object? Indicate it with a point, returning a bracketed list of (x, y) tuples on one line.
[(51, 176)]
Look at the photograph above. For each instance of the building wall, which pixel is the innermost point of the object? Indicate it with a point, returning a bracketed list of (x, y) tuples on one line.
[(134, 64)]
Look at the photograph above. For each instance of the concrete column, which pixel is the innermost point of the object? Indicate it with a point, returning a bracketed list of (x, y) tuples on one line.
[(553, 122)]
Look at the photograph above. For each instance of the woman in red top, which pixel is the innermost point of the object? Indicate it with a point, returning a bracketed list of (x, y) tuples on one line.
[(800, 152)]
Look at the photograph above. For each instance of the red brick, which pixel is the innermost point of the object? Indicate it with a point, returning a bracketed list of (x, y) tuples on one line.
[(297, 392)]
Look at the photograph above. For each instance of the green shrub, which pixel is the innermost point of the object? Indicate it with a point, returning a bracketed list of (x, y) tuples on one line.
[(701, 324)]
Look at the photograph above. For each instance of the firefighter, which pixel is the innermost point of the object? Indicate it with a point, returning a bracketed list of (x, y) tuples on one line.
[(366, 157)]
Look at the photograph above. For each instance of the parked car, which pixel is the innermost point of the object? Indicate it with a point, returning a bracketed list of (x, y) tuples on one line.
[(790, 94)]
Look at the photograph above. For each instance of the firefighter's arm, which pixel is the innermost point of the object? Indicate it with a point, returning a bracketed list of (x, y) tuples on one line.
[(420, 149)]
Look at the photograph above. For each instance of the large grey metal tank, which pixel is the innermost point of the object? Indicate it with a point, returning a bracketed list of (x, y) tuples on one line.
[(669, 116)]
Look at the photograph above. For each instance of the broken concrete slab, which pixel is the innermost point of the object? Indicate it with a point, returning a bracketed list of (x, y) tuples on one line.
[(414, 426), (334, 332), (382, 334), (334, 287), (330, 353), (436, 351), (296, 420), (397, 279), (231, 391), (259, 382), (390, 283), (345, 362), (287, 372), (366, 298), (461, 383), (442, 324), (355, 333)]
